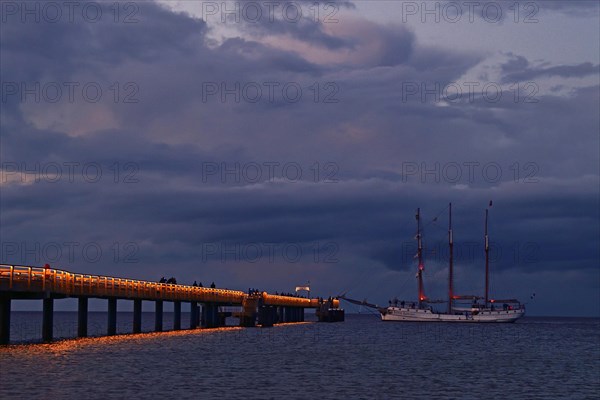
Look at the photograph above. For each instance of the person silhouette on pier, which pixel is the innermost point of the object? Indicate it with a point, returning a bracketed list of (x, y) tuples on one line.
[(212, 285), (194, 284)]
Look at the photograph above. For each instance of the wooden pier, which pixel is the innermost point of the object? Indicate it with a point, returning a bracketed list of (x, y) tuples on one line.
[(205, 304)]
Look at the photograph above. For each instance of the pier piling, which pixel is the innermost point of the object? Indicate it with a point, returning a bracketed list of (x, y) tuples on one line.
[(193, 315), (82, 317), (48, 319), (177, 315), (4, 320), (137, 316), (210, 316), (158, 316), (266, 316), (112, 316)]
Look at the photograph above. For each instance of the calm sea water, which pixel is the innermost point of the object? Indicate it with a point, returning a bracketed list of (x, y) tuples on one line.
[(362, 358)]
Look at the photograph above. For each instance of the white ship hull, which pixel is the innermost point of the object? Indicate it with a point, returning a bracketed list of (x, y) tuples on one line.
[(406, 314)]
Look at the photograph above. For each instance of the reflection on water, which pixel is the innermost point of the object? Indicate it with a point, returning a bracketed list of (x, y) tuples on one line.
[(27, 326), (360, 358)]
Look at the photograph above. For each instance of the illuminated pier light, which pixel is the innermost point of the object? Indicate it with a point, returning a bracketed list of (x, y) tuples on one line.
[(47, 284)]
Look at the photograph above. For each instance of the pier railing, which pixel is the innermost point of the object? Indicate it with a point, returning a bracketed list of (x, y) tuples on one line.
[(57, 282)]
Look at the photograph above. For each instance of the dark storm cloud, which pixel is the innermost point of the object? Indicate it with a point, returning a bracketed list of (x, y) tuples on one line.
[(580, 8), (65, 47), (270, 60), (308, 29), (518, 69), (370, 135)]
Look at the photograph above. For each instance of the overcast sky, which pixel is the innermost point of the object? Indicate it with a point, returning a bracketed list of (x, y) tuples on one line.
[(266, 145)]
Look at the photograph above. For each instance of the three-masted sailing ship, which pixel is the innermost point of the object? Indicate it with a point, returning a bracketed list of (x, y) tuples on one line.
[(480, 309)]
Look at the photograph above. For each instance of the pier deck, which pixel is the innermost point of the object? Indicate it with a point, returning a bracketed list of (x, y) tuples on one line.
[(48, 284)]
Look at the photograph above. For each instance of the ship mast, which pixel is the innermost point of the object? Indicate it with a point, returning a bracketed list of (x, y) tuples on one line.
[(420, 257), (451, 260)]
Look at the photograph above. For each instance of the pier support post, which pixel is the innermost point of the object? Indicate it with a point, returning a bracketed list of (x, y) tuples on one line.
[(112, 317), (158, 316), (193, 315), (222, 318), (177, 315), (216, 319), (263, 317), (267, 316), (47, 320), (301, 312), (286, 314), (82, 317), (137, 316), (4, 320), (210, 315)]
